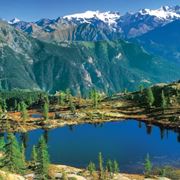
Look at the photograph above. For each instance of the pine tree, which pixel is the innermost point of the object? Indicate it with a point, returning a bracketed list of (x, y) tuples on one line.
[(15, 105), (150, 97), (34, 154), (29, 101), (91, 168), (95, 97), (46, 111), (42, 160), (101, 169), (109, 166), (115, 167), (2, 143), (163, 100), (24, 112), (4, 105), (61, 98), (147, 166), (23, 154), (13, 157), (46, 99), (19, 107)]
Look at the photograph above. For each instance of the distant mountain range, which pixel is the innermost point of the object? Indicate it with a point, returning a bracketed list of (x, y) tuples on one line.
[(107, 51), (94, 25)]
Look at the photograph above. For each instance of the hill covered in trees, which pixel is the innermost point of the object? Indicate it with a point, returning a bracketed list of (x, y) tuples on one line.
[(109, 66)]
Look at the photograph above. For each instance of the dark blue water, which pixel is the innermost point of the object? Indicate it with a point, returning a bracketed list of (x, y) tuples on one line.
[(36, 116), (128, 142)]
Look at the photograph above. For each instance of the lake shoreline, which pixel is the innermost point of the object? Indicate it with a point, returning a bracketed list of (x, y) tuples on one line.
[(57, 170), (108, 116), (117, 107)]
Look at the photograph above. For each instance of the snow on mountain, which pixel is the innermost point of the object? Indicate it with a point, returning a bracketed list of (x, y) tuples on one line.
[(105, 24), (14, 21), (165, 12), (107, 17)]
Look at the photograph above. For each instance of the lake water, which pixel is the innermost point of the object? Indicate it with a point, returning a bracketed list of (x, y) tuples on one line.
[(127, 141)]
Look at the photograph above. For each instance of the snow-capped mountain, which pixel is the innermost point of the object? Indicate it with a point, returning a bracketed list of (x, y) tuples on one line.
[(107, 17), (95, 25), (145, 20), (165, 12), (14, 21)]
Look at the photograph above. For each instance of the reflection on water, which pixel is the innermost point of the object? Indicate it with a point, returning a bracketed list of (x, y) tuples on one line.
[(24, 139), (148, 129), (178, 137), (46, 132), (128, 142)]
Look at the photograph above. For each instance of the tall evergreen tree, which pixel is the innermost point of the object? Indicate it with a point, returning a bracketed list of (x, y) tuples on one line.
[(34, 154), (163, 100), (15, 105), (19, 107), (61, 98), (4, 105), (95, 97), (2, 142), (109, 166), (46, 111), (115, 167), (148, 166), (13, 156), (101, 169), (29, 101), (24, 112), (23, 154), (150, 97), (42, 160), (91, 167)]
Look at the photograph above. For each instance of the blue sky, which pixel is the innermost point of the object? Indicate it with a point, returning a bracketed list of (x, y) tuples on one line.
[(32, 10)]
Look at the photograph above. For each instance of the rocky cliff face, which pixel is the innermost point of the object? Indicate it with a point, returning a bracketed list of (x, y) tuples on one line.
[(163, 41), (109, 66)]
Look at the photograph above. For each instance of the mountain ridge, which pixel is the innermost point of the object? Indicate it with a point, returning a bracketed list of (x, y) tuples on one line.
[(109, 66), (123, 26), (163, 41)]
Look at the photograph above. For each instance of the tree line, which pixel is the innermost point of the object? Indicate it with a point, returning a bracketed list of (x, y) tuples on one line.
[(13, 157)]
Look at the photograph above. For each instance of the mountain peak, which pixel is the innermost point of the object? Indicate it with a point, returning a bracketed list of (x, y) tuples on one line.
[(164, 8), (107, 17), (14, 21), (164, 12)]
